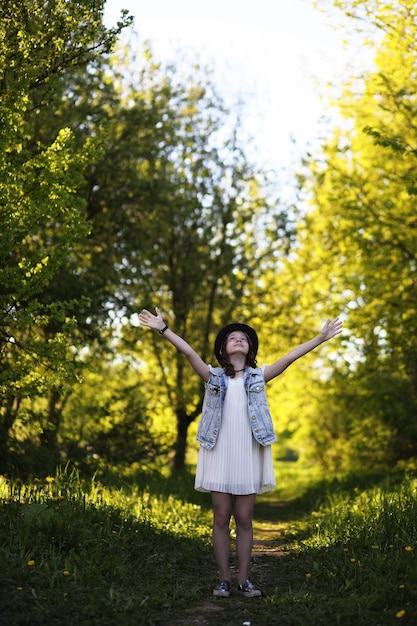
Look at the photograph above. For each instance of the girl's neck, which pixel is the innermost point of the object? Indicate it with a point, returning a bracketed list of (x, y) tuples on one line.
[(239, 366)]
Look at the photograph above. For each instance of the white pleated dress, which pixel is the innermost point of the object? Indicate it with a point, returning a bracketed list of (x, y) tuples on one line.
[(237, 464)]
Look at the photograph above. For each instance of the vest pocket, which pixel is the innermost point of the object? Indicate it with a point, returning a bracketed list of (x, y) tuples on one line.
[(212, 396), (257, 386)]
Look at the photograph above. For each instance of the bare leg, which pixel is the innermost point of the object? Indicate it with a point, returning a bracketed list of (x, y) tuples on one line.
[(222, 512), (243, 512)]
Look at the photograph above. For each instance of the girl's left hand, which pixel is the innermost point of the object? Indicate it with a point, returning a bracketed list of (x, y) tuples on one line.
[(331, 328)]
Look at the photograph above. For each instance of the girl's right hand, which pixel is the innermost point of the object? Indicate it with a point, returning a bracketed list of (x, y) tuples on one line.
[(146, 318)]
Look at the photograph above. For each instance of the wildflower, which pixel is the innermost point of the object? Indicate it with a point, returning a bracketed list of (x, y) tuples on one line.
[(31, 563), (409, 549), (308, 575), (66, 572), (19, 588), (400, 614), (353, 560), (50, 479), (345, 549)]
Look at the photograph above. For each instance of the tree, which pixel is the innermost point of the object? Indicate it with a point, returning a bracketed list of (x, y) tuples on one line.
[(359, 239), (41, 213)]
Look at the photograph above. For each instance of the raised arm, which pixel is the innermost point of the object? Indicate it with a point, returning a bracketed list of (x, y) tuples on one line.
[(156, 322), (329, 330)]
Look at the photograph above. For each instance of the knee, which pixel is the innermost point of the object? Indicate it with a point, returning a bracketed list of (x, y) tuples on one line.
[(243, 522), (221, 519)]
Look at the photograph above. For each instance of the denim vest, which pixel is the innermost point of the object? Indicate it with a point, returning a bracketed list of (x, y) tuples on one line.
[(258, 410)]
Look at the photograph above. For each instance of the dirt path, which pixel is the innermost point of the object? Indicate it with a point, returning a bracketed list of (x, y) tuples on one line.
[(267, 548)]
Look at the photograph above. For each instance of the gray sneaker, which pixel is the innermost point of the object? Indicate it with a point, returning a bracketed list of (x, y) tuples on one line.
[(248, 590), (222, 590)]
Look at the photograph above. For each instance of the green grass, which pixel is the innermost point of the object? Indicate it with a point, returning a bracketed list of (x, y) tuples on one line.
[(326, 552), (77, 553)]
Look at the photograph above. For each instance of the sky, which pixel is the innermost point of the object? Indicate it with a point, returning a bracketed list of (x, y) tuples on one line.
[(267, 52)]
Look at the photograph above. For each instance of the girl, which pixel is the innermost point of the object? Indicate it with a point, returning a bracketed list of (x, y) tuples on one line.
[(235, 433)]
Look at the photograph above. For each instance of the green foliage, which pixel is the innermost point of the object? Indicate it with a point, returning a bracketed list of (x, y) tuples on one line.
[(42, 45), (112, 427), (358, 242)]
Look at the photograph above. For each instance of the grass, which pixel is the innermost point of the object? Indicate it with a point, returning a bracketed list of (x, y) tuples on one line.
[(326, 553)]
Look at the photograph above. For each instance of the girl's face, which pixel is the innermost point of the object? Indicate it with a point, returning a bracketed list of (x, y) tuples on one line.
[(237, 342)]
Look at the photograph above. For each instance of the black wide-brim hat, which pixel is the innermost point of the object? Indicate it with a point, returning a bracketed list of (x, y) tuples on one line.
[(230, 328)]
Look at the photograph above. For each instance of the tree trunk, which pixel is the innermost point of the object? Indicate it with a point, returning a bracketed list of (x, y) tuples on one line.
[(8, 416), (49, 436), (180, 446)]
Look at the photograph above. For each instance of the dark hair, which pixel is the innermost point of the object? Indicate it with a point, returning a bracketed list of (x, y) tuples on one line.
[(224, 358)]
